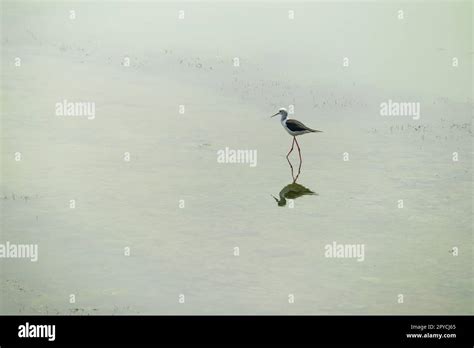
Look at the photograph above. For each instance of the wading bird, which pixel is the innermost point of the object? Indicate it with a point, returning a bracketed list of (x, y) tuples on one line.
[(294, 128)]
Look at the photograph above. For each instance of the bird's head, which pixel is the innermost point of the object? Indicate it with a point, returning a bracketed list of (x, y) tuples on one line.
[(281, 112)]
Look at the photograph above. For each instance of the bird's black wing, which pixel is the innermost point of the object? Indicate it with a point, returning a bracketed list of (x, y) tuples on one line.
[(297, 126)]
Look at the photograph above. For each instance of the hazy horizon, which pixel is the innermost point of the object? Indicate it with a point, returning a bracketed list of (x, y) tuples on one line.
[(133, 212)]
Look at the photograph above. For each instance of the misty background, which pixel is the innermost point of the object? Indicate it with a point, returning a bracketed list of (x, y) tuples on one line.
[(173, 157)]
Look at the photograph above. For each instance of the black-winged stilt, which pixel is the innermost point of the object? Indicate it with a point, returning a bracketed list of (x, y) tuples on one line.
[(294, 128)]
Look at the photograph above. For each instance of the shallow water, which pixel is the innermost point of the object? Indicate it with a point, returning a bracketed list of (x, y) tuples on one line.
[(173, 158)]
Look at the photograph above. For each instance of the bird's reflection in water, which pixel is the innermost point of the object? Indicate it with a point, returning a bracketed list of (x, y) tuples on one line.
[(293, 190)]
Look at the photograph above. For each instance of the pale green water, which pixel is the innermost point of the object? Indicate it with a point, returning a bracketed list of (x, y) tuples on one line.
[(174, 157)]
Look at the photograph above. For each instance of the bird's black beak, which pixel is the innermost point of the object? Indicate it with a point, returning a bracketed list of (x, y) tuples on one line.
[(275, 114)]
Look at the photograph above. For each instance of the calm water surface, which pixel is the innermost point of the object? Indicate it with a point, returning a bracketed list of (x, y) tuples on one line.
[(173, 159)]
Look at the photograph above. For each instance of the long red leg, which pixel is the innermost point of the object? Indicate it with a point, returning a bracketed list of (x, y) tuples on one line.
[(299, 150), (291, 166), (292, 145), (299, 171)]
